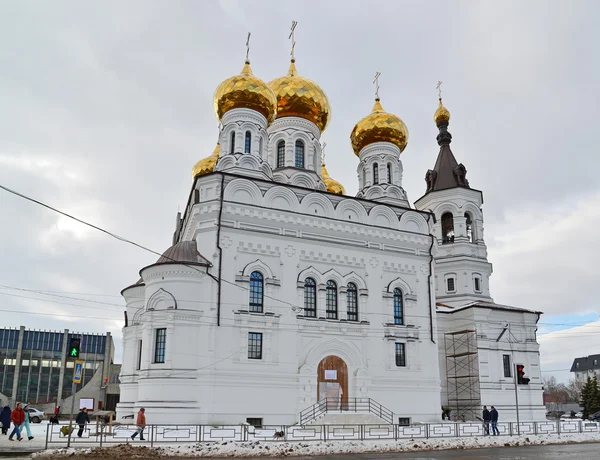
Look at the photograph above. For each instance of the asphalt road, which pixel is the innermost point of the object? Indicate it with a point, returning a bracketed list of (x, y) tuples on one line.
[(568, 451)]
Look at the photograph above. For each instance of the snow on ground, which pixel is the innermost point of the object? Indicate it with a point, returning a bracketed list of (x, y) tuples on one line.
[(282, 448)]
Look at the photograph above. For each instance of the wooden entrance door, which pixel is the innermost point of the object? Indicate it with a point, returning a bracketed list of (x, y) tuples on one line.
[(332, 382)]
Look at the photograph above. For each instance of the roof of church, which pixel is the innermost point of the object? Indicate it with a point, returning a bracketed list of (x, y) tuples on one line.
[(586, 363), (183, 252), (445, 166), (484, 304)]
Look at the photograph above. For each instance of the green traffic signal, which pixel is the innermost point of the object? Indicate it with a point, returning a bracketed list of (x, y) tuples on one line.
[(74, 348)]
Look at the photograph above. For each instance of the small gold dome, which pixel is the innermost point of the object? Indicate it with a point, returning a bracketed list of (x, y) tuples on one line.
[(245, 91), (207, 165), (333, 186), (379, 126), (301, 97), (441, 114)]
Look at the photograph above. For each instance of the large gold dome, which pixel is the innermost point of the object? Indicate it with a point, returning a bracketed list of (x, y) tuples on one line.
[(245, 91), (333, 186), (379, 126), (207, 165), (301, 97), (442, 114)]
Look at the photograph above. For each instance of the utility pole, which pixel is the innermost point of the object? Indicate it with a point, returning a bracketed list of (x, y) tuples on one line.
[(74, 349)]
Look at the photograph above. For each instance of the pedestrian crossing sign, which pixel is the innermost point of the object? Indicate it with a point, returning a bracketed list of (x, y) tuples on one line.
[(78, 372)]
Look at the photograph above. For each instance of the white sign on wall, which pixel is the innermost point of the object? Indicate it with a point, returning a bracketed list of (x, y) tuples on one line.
[(88, 403), (330, 375)]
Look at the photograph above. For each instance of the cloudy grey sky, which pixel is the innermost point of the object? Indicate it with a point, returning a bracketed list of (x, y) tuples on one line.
[(106, 106)]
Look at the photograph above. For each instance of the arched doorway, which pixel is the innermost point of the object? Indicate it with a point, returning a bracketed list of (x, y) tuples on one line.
[(332, 381)]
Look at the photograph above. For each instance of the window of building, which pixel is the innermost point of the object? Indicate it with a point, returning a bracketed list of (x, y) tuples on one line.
[(364, 177), (260, 147), (404, 421), (401, 355), (447, 228), (310, 298), (477, 284), (256, 292), (398, 307), (331, 301), (352, 300), (247, 142), (469, 223), (280, 154), (375, 173), (139, 360), (299, 154), (450, 285), (389, 173), (232, 142), (160, 345), (255, 345), (254, 421), (507, 366)]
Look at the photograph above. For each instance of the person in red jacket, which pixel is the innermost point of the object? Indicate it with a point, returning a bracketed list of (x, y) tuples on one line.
[(18, 417), (141, 424)]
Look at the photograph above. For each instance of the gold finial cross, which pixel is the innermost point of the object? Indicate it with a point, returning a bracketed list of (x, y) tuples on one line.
[(248, 46), (439, 88), (376, 83), (323, 152), (293, 38)]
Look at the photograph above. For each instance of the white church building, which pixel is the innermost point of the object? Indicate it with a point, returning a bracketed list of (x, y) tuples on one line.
[(281, 291)]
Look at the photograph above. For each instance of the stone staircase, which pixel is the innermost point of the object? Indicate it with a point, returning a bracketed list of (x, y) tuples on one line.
[(356, 411)]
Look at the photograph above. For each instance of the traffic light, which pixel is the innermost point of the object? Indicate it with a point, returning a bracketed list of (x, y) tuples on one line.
[(521, 379), (74, 348)]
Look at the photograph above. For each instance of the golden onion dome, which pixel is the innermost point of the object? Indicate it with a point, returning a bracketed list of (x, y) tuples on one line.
[(333, 186), (379, 126), (207, 165), (300, 97), (245, 91), (441, 114)]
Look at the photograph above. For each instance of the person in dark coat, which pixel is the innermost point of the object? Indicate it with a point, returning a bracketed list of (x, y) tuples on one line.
[(494, 420), (486, 421), (82, 419), (5, 419)]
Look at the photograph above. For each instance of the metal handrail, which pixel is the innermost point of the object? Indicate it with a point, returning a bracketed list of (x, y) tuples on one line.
[(346, 405)]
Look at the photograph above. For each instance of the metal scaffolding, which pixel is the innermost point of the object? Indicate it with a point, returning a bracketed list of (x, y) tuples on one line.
[(462, 374)]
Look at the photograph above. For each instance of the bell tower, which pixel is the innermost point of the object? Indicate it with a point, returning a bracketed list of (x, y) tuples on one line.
[(462, 271)]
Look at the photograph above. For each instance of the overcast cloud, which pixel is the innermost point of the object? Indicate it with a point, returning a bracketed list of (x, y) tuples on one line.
[(106, 106)]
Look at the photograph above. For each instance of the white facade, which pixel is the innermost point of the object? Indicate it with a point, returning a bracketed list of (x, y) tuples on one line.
[(277, 294)]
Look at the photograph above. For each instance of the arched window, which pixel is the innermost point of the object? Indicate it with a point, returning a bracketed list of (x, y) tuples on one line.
[(310, 298), (398, 307), (352, 297), (364, 184), (389, 172), (247, 142), (256, 292), (232, 142), (331, 300), (280, 154), (375, 173), (260, 146), (469, 227), (299, 157), (447, 228)]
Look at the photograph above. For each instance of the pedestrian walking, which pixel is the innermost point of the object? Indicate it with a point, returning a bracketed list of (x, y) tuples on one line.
[(141, 424), (486, 421), (26, 422), (494, 420), (5, 419), (17, 416), (82, 419)]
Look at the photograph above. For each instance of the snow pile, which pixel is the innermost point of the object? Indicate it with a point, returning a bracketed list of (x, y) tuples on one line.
[(282, 448)]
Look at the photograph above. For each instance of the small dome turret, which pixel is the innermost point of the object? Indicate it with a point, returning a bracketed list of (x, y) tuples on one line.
[(207, 165)]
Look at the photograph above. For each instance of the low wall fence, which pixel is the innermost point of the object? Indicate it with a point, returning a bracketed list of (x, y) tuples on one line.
[(102, 435)]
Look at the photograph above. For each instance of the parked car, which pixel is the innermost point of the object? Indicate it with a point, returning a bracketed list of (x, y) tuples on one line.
[(36, 416), (570, 417), (595, 417)]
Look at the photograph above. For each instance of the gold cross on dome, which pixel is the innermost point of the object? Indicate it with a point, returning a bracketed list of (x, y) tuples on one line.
[(248, 46), (293, 38), (439, 88), (323, 152), (376, 83)]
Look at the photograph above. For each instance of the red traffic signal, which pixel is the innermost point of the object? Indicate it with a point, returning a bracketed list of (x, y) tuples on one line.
[(521, 379)]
